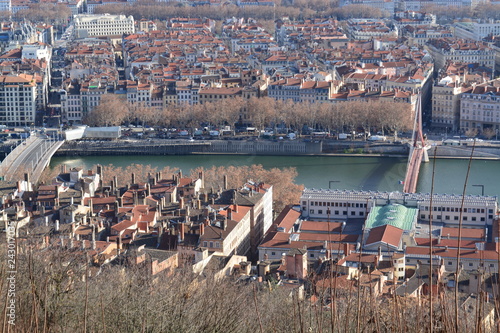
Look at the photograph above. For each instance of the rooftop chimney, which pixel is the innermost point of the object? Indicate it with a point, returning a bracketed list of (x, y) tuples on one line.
[(225, 182), (133, 178), (202, 229), (224, 223), (229, 213), (181, 231)]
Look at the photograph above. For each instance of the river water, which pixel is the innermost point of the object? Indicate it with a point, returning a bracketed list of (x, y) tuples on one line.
[(366, 173)]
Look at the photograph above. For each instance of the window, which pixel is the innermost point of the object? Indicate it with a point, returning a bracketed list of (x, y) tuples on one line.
[(336, 212), (455, 218), (273, 253), (311, 211), (361, 213), (422, 216), (470, 264), (311, 255), (450, 263), (344, 212), (320, 211), (353, 213), (447, 217), (205, 244)]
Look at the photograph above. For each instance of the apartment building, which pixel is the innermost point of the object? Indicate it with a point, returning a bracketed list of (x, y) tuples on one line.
[(87, 25), (71, 107), (5, 5), (446, 103), (17, 99), (365, 29), (445, 49), (480, 107), (208, 95)]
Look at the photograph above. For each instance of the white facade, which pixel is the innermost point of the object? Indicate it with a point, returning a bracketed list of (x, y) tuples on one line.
[(103, 25), (17, 100), (5, 5), (475, 30), (342, 204)]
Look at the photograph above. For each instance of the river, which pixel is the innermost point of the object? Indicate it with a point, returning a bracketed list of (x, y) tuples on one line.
[(366, 173)]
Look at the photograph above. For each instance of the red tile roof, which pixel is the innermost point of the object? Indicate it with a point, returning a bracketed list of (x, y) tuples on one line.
[(386, 234)]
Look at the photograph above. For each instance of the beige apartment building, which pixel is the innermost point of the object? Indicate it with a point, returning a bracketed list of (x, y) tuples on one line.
[(480, 107), (446, 104)]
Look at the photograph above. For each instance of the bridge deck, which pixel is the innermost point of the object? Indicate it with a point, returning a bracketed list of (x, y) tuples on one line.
[(410, 184), (30, 157)]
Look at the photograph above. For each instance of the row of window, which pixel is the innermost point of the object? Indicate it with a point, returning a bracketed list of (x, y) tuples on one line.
[(455, 218), (457, 209), (335, 212), (335, 204), (211, 244)]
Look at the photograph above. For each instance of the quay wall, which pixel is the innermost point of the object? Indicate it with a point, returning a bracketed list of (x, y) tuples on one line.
[(261, 147)]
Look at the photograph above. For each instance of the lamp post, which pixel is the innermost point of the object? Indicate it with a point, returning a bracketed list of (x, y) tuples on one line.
[(482, 188)]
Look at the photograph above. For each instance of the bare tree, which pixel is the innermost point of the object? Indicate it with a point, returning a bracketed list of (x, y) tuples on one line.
[(111, 111)]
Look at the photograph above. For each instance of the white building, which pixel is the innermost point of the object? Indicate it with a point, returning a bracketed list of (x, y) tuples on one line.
[(343, 204), (476, 31), (17, 100), (103, 25), (5, 5)]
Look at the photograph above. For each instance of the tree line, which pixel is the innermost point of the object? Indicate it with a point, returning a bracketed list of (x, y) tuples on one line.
[(300, 10), (367, 115)]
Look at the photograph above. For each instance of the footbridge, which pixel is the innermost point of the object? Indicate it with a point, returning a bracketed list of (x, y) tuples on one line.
[(30, 157), (418, 152)]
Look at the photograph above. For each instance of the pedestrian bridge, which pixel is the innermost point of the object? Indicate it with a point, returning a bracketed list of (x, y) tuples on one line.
[(418, 152), (30, 157)]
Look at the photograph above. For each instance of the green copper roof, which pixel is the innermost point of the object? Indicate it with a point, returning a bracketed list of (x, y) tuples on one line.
[(394, 214)]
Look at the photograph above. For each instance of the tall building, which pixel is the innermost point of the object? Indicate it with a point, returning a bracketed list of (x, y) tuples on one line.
[(5, 5), (480, 108), (103, 25), (17, 100), (446, 103)]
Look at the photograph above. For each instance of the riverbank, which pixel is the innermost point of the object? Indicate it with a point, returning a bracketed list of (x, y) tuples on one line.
[(267, 148)]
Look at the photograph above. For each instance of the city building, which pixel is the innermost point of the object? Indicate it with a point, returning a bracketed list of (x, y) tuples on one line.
[(88, 25), (445, 50), (5, 6), (446, 103), (480, 108), (18, 100), (476, 30), (446, 208)]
